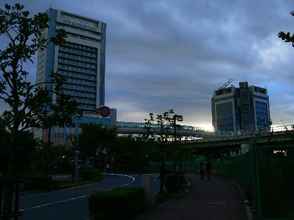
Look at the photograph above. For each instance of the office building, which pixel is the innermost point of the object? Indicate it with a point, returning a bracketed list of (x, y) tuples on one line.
[(81, 60), (240, 110)]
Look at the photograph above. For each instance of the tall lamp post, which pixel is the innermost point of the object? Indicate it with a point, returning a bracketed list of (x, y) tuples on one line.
[(74, 139), (76, 164), (176, 118)]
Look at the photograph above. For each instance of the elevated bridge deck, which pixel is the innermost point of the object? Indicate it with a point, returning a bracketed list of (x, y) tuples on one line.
[(139, 128), (268, 138)]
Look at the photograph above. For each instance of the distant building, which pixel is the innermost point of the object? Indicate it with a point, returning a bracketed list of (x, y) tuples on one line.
[(240, 110), (81, 60)]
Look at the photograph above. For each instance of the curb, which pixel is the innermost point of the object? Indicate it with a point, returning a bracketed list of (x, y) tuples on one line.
[(131, 178)]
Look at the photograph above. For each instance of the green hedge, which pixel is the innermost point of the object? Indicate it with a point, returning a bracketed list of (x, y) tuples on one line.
[(174, 182), (91, 174), (119, 203), (40, 183)]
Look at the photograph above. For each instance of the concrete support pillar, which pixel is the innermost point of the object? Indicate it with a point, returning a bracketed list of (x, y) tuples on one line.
[(148, 189)]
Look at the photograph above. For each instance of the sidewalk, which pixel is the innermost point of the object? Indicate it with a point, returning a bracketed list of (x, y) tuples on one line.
[(216, 199)]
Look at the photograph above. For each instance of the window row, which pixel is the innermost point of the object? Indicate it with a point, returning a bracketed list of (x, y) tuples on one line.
[(62, 60), (82, 37), (225, 124), (80, 82), (261, 110), (83, 95), (77, 57), (78, 23), (79, 87), (76, 69), (87, 107), (85, 101), (80, 47), (78, 52), (75, 75)]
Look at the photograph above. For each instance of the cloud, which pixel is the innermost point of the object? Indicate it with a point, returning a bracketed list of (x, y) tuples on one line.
[(173, 54)]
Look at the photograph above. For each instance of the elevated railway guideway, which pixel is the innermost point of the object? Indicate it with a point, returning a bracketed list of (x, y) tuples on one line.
[(270, 139), (139, 128)]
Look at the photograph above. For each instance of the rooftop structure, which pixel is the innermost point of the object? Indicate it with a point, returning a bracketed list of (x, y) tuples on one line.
[(240, 110)]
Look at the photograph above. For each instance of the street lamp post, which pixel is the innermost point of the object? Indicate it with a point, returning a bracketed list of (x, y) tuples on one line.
[(175, 119), (76, 164), (76, 153)]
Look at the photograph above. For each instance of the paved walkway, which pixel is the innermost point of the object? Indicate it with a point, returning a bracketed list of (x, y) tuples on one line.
[(216, 199)]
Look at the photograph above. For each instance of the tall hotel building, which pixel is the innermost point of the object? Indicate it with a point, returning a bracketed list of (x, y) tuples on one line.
[(81, 60), (240, 110)]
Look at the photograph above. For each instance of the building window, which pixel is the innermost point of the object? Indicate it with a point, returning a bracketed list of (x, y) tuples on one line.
[(225, 117), (261, 111)]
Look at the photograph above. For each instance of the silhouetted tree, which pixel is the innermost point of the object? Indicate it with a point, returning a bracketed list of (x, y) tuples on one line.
[(287, 36), (28, 105), (94, 138), (148, 126), (167, 124)]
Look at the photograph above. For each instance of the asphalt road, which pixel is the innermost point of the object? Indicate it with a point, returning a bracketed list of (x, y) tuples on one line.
[(70, 203)]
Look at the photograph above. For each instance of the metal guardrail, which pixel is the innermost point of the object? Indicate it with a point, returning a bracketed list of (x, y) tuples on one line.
[(9, 199)]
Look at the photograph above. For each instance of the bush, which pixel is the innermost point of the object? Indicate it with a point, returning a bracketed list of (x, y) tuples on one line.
[(40, 183), (119, 203), (174, 182), (89, 174)]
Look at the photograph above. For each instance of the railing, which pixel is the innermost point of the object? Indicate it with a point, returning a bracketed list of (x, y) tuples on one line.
[(266, 175), (9, 199)]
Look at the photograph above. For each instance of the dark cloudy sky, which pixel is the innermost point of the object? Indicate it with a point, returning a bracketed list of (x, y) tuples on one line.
[(165, 54)]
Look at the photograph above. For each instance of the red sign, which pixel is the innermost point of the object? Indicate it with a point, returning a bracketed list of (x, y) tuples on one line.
[(104, 111)]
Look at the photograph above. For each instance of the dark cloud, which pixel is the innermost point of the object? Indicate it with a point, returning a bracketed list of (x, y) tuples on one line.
[(172, 54)]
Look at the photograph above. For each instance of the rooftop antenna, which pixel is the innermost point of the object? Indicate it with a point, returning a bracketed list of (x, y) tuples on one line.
[(227, 84)]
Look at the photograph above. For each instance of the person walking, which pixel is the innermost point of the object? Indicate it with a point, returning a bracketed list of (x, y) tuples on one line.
[(202, 170)]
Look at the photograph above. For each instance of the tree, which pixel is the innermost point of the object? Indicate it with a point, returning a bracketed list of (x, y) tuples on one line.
[(131, 154), (167, 124), (28, 105), (148, 123), (287, 36), (95, 139), (171, 119), (61, 112)]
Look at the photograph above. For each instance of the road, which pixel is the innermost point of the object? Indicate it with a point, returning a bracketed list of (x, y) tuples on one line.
[(70, 203)]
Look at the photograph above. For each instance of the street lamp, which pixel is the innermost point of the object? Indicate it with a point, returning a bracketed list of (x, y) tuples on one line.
[(176, 118)]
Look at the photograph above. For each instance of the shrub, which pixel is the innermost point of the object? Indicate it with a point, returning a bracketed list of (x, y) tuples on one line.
[(119, 203), (90, 174), (174, 182), (40, 183)]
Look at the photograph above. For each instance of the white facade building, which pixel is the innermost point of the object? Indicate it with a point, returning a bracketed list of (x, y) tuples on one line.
[(81, 60)]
